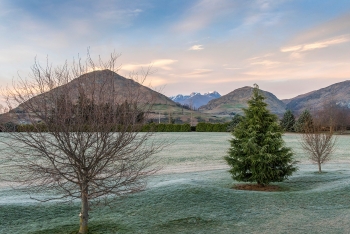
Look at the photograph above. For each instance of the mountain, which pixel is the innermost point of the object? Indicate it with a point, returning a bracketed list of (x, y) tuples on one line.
[(195, 99), (237, 99), (113, 86), (122, 87), (338, 92)]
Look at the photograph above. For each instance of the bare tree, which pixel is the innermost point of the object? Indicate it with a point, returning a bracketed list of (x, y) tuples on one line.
[(318, 144), (83, 135)]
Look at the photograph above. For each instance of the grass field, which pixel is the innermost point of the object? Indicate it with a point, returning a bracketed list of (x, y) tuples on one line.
[(193, 194)]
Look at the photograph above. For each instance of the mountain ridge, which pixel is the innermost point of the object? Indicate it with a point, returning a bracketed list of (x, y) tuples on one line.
[(123, 89), (230, 103), (338, 92), (234, 101)]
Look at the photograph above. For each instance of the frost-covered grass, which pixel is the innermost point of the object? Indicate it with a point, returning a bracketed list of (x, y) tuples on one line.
[(193, 194), (204, 151)]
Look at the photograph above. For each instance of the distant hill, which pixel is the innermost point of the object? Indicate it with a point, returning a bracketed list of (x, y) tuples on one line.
[(122, 88), (195, 99), (237, 99), (338, 92)]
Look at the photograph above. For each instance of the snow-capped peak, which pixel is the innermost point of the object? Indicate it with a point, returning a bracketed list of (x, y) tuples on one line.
[(212, 94), (194, 94), (181, 97), (196, 99), (178, 97)]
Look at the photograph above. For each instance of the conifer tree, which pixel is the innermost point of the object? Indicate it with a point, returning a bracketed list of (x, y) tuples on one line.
[(288, 121), (304, 122), (257, 152)]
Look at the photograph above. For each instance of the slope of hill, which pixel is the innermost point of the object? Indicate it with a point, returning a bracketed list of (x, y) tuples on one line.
[(237, 99), (113, 86), (338, 92), (195, 99)]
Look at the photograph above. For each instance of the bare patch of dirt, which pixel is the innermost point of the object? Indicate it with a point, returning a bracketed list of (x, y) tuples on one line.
[(257, 187)]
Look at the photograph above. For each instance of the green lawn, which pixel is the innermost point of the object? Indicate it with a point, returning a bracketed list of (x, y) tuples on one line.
[(193, 194)]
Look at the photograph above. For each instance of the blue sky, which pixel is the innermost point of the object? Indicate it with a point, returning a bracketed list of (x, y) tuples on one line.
[(287, 47)]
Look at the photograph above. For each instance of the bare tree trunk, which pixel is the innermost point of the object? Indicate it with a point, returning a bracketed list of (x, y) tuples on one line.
[(319, 167), (84, 214)]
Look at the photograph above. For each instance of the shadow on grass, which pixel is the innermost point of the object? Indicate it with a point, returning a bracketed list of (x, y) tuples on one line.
[(192, 224), (94, 228)]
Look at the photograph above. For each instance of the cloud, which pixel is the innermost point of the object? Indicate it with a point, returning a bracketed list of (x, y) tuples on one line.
[(203, 13), (198, 72), (317, 45), (324, 44), (333, 28), (119, 16), (233, 68), (196, 47), (296, 55), (266, 19), (218, 81), (156, 81), (266, 74), (291, 48), (268, 4), (261, 60), (160, 63), (260, 57), (299, 71), (266, 63)]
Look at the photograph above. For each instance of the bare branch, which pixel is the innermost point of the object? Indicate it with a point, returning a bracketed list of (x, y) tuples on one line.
[(318, 144), (82, 138)]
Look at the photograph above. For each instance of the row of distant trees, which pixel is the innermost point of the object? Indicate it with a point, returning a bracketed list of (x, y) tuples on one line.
[(148, 127), (318, 129), (330, 118), (333, 120)]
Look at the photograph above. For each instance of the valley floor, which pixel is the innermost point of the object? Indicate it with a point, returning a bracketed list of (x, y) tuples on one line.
[(193, 194)]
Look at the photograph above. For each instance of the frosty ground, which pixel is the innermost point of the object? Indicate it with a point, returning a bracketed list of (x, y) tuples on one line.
[(193, 194)]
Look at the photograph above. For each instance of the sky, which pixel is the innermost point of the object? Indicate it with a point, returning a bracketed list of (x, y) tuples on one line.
[(287, 47)]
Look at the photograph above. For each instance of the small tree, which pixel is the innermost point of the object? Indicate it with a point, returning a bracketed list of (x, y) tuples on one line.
[(304, 122), (257, 152), (318, 144), (90, 147), (288, 121)]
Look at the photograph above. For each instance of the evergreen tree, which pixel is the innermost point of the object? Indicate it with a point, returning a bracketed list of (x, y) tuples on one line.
[(288, 121), (304, 122), (257, 152)]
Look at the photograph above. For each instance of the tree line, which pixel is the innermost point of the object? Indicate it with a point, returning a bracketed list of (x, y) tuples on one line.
[(145, 127), (331, 117)]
